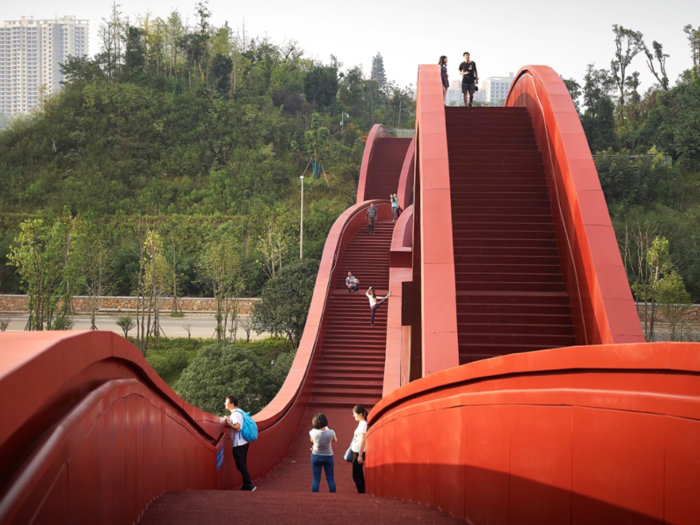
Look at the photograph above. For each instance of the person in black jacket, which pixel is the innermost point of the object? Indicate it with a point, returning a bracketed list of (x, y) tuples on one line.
[(443, 75)]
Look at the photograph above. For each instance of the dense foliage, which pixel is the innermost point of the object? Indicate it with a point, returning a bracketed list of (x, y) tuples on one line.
[(218, 371), (186, 130), (647, 151)]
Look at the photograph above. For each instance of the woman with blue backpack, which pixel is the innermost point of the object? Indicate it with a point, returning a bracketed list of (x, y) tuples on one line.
[(243, 430), (322, 452)]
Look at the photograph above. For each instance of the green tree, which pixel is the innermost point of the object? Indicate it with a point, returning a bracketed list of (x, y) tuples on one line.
[(598, 119), (153, 283), (273, 246), (378, 72), (653, 55), (694, 42), (219, 265), (219, 371), (626, 48), (91, 264), (39, 255), (674, 302), (574, 90), (321, 85), (285, 301)]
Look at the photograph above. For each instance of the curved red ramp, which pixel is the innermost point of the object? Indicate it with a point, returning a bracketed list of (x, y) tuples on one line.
[(597, 434), (79, 392)]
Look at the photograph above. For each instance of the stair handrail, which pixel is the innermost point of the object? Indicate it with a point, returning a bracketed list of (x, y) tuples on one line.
[(619, 322), (377, 132), (283, 402)]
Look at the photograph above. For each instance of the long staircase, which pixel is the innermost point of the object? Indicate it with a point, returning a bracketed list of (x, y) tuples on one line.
[(350, 372), (385, 167), (351, 369), (510, 289)]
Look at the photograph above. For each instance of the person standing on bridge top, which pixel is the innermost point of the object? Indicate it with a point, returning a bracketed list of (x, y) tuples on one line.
[(371, 217), (470, 78), (443, 75), (240, 445)]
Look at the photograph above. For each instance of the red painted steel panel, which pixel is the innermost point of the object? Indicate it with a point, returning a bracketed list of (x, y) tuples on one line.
[(591, 434), (377, 132), (540, 465), (105, 392), (602, 303), (405, 190), (618, 477), (681, 470), (487, 488), (436, 258)]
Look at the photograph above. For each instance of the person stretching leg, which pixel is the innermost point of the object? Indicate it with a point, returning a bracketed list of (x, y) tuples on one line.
[(375, 302)]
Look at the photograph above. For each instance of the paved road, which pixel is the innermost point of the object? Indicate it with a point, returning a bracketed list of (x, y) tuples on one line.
[(201, 325)]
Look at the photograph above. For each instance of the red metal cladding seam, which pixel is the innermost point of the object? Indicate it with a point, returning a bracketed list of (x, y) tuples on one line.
[(399, 273), (439, 306), (589, 434), (593, 269), (405, 189), (377, 132), (76, 443), (71, 366)]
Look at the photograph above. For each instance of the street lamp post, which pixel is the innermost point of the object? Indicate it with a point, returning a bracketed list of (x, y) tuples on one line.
[(301, 227)]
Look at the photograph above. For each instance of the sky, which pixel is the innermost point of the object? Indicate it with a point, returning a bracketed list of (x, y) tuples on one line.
[(502, 36)]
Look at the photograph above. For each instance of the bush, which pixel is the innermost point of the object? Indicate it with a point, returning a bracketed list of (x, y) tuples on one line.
[(126, 323), (267, 350), (168, 364), (280, 369), (218, 371)]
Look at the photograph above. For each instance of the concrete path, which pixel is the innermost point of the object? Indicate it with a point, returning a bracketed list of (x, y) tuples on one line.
[(200, 325)]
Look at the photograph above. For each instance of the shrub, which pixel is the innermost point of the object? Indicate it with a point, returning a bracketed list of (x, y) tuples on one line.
[(168, 364), (218, 371)]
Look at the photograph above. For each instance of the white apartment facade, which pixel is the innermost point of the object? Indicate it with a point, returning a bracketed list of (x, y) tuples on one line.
[(30, 54), (495, 89)]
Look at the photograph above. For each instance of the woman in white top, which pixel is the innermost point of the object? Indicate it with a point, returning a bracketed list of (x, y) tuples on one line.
[(322, 453), (358, 448), (375, 302)]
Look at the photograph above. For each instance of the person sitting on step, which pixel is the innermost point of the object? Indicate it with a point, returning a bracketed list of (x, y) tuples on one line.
[(352, 283)]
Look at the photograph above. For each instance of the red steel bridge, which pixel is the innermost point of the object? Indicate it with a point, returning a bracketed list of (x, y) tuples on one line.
[(508, 375)]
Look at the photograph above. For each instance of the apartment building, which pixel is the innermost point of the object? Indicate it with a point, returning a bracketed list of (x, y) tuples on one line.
[(30, 54), (495, 89)]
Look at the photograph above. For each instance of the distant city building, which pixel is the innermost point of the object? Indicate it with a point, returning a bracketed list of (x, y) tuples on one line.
[(30, 54), (495, 89), (454, 94)]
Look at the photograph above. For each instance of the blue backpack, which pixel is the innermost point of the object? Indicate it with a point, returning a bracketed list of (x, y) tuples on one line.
[(249, 432)]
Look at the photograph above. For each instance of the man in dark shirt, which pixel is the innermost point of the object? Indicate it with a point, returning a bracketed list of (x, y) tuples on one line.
[(470, 78), (371, 217)]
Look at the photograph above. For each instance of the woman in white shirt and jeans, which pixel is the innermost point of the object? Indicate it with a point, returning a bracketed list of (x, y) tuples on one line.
[(322, 453), (358, 448)]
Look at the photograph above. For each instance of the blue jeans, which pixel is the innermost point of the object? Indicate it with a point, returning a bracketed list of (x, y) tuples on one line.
[(317, 463)]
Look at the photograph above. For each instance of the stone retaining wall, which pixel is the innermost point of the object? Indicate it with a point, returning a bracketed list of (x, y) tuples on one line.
[(112, 305)]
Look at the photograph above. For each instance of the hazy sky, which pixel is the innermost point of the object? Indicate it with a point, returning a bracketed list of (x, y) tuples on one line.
[(501, 35)]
